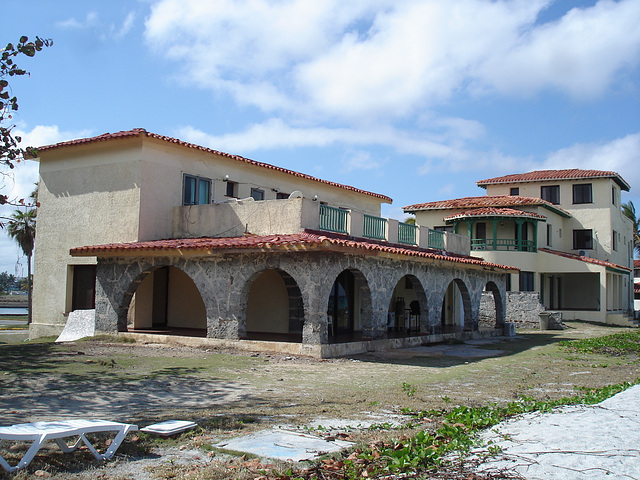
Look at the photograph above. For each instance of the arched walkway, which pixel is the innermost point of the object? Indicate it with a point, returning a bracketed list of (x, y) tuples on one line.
[(408, 309), (456, 314), (166, 300), (275, 309), (349, 307)]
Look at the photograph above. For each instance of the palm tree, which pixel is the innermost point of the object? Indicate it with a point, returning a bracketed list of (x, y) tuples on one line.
[(629, 210), (22, 228)]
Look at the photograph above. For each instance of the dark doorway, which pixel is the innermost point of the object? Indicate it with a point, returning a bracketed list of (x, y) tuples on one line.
[(341, 303), (84, 287)]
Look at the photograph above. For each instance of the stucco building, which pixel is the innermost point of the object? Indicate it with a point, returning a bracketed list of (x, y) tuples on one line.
[(164, 237), (563, 229)]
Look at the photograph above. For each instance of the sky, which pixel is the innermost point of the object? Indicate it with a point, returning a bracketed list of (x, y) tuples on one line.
[(414, 99)]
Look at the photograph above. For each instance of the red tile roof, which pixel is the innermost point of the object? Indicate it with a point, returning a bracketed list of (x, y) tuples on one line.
[(140, 132), (495, 212), (595, 261), (636, 264), (555, 175), (300, 242), (485, 201)]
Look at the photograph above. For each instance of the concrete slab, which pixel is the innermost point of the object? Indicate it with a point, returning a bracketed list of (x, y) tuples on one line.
[(284, 445), (80, 324)]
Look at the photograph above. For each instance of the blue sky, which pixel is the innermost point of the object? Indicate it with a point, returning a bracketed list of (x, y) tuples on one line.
[(416, 100)]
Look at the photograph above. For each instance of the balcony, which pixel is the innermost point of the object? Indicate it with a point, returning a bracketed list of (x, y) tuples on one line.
[(286, 216), (503, 244)]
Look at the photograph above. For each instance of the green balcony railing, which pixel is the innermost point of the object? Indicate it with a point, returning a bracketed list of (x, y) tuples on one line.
[(407, 233), (374, 227), (436, 239), (504, 244), (333, 219)]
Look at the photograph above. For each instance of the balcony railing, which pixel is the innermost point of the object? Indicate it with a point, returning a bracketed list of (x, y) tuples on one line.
[(436, 239), (504, 244), (333, 219), (374, 227), (407, 233)]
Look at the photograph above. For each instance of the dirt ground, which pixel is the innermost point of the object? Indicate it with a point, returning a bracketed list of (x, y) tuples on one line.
[(231, 393)]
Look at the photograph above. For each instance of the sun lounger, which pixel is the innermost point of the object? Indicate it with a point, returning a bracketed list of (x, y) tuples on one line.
[(40, 432)]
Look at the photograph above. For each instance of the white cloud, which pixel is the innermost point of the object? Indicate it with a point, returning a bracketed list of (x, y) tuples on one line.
[(89, 21), (94, 22), (367, 60), (361, 160), (275, 133)]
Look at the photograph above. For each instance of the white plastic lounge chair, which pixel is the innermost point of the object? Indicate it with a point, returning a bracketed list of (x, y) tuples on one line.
[(40, 432)]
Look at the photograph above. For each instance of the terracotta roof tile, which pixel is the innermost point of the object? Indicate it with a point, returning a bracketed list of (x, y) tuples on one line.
[(595, 261), (138, 132), (555, 175), (485, 201), (636, 264), (495, 212), (290, 242)]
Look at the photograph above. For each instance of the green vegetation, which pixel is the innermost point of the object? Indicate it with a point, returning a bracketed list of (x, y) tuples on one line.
[(613, 345)]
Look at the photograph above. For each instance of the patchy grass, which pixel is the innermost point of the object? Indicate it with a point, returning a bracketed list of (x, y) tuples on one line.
[(270, 390)]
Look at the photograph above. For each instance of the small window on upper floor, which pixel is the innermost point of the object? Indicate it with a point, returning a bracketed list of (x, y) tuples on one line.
[(282, 196), (549, 235), (614, 237), (582, 193), (196, 190), (614, 196), (232, 189), (550, 193), (514, 191), (444, 228), (582, 239), (257, 194)]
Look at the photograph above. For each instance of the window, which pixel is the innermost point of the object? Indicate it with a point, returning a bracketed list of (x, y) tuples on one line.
[(232, 189), (83, 296), (582, 240), (444, 228), (582, 193), (614, 196), (196, 190), (551, 194), (526, 281), (615, 240), (282, 196), (514, 191), (549, 235), (257, 194)]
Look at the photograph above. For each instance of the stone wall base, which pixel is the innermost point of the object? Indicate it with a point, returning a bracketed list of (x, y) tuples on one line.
[(315, 351)]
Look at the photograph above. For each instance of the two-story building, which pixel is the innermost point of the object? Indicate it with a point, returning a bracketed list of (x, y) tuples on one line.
[(164, 237), (563, 229)]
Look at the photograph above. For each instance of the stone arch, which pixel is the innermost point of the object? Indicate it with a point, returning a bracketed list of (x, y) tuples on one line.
[(492, 307), (273, 306), (349, 306), (163, 297), (456, 313), (409, 300)]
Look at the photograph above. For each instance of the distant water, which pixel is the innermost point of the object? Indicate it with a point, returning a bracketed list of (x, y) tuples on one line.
[(13, 311)]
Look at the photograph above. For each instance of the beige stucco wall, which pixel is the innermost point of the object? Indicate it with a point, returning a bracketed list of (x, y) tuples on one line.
[(185, 308), (86, 196), (268, 304), (602, 216), (125, 190), (265, 217)]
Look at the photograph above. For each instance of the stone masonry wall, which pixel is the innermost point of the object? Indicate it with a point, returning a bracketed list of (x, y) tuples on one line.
[(224, 281)]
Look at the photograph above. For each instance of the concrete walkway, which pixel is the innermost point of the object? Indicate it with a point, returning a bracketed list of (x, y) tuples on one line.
[(573, 443)]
